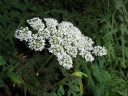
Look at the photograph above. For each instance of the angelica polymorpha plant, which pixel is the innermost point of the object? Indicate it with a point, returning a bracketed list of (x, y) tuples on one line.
[(66, 41)]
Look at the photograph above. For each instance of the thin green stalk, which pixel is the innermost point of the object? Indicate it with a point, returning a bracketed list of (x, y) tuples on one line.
[(45, 63), (122, 26), (25, 90), (123, 50), (108, 7)]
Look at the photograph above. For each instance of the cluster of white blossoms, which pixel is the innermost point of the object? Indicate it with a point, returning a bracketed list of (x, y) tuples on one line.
[(66, 41), (99, 51), (23, 34)]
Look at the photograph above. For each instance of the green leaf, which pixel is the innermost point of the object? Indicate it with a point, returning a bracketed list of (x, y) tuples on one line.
[(127, 54), (1, 83), (54, 94), (113, 31), (79, 74), (62, 83), (15, 78), (61, 90), (74, 94), (106, 18), (2, 61), (101, 63), (15, 13)]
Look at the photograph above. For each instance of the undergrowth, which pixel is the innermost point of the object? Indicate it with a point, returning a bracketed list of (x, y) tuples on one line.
[(24, 72)]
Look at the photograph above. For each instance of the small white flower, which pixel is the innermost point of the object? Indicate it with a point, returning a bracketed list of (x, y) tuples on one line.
[(50, 22), (65, 60), (71, 50), (65, 25), (52, 30), (99, 51), (55, 40), (87, 55), (36, 23), (36, 43), (44, 33), (55, 48), (23, 34), (66, 42)]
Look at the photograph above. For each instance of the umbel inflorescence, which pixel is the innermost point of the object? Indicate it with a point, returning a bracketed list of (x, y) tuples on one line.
[(66, 41)]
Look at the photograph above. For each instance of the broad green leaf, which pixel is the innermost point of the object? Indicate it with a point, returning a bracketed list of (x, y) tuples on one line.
[(61, 90), (15, 78), (2, 61), (79, 74)]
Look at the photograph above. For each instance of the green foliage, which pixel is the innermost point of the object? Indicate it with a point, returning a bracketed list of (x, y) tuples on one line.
[(2, 61), (105, 21)]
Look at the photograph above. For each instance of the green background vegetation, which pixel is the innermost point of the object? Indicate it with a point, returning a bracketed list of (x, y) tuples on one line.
[(24, 72)]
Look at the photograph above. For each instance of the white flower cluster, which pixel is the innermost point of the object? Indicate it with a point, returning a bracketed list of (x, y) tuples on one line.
[(66, 41), (23, 34), (36, 23), (99, 51)]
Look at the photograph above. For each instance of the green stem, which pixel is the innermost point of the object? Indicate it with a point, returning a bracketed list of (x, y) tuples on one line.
[(45, 63)]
